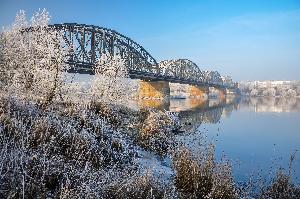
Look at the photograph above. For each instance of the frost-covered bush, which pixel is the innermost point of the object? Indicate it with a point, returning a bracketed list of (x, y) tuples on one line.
[(269, 92), (202, 177), (110, 84), (139, 186), (118, 116), (157, 130), (254, 92), (298, 90), (291, 93), (63, 150), (281, 187), (32, 58)]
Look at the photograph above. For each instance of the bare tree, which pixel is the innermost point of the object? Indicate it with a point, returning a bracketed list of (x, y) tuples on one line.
[(32, 58)]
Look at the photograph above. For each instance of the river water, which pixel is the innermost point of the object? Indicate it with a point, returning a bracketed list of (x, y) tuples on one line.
[(258, 135)]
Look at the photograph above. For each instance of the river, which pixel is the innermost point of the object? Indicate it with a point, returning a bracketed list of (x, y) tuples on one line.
[(258, 135)]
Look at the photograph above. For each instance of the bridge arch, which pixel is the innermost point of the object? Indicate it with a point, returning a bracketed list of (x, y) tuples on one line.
[(213, 77), (181, 69), (87, 43)]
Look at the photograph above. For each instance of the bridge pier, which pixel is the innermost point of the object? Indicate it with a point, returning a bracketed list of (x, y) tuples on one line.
[(154, 89), (198, 92)]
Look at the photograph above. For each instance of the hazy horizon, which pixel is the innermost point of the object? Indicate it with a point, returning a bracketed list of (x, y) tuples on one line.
[(248, 40)]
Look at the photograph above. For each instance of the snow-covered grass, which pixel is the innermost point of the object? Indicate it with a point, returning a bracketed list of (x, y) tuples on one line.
[(72, 150), (69, 144), (75, 150), (79, 150), (202, 176)]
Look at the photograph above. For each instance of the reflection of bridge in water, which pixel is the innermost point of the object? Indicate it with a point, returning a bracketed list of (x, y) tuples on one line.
[(194, 112), (209, 113)]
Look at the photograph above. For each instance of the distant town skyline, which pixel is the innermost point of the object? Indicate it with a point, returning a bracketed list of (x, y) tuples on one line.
[(248, 40)]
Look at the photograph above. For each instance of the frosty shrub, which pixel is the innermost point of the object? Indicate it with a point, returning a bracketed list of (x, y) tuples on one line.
[(118, 116), (138, 186), (269, 92), (110, 84), (202, 176), (32, 56), (291, 93), (64, 150), (298, 90), (281, 187), (157, 130), (254, 92)]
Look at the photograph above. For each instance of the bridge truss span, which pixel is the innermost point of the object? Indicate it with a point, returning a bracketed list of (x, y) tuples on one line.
[(213, 78), (182, 70), (87, 43)]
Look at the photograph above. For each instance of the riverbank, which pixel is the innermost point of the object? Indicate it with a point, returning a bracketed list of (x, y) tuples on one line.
[(79, 150)]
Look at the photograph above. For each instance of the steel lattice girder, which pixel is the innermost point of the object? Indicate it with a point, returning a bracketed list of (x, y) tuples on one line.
[(87, 43), (182, 69)]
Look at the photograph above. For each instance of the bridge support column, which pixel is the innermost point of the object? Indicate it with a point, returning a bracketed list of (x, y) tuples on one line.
[(198, 92), (154, 89)]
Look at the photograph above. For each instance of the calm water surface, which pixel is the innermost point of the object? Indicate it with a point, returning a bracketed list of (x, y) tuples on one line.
[(256, 134)]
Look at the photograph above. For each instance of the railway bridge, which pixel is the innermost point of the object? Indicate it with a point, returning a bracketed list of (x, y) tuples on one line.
[(87, 43)]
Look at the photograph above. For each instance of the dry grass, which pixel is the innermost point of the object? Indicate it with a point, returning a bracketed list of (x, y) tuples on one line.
[(141, 187), (202, 177), (280, 187), (47, 152), (72, 150)]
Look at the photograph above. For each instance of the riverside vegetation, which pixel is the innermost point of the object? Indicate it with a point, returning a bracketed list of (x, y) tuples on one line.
[(56, 144)]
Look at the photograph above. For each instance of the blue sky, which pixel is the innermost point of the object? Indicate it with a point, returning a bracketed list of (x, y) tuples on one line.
[(247, 39)]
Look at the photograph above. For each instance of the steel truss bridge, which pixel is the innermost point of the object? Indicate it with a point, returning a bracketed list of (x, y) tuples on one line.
[(87, 43)]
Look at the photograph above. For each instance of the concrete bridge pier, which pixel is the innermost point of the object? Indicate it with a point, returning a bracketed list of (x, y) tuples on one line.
[(154, 89), (198, 92)]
